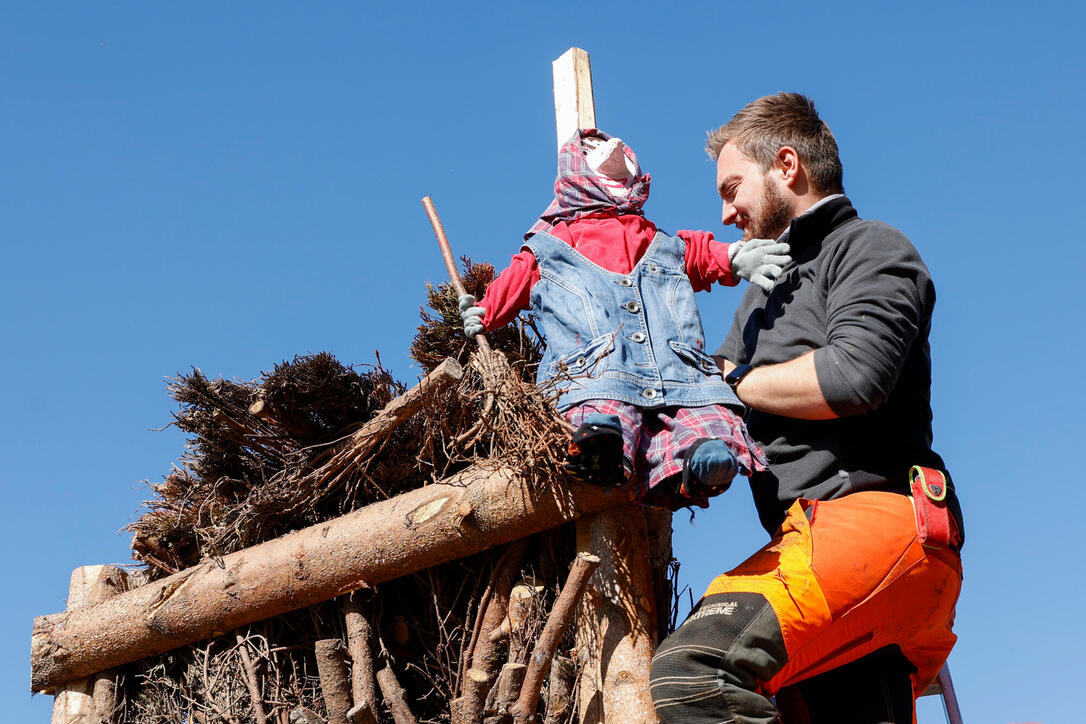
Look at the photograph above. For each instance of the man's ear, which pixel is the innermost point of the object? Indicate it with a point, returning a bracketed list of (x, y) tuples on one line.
[(788, 166)]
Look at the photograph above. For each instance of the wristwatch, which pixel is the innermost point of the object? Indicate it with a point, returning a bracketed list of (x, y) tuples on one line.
[(736, 375)]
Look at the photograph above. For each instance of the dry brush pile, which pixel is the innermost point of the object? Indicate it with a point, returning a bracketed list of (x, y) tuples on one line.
[(283, 452)]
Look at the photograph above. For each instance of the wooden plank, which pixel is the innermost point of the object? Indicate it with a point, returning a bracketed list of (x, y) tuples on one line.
[(574, 106), (616, 632)]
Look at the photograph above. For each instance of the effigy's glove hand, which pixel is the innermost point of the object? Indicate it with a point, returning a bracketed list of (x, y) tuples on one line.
[(472, 315), (759, 261)]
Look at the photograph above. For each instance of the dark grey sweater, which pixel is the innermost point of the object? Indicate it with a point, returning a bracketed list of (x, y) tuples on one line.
[(858, 294)]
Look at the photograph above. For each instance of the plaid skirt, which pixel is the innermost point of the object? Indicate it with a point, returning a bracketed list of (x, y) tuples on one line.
[(655, 440)]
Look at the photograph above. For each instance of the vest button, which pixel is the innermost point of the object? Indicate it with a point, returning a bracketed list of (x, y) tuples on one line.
[(638, 337), (580, 362), (624, 282), (633, 307), (649, 393)]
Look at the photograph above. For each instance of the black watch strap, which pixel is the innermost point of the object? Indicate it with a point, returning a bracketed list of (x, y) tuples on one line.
[(736, 375)]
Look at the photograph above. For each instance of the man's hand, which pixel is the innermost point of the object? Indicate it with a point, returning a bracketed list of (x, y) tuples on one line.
[(759, 261), (725, 365), (472, 315)]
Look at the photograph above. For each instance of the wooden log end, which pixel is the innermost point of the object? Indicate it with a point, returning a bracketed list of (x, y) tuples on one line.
[(362, 714), (478, 676), (260, 409)]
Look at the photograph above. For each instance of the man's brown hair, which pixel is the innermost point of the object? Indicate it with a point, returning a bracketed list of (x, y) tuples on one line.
[(784, 119)]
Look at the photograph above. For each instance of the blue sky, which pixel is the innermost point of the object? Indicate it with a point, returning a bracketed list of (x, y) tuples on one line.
[(228, 185)]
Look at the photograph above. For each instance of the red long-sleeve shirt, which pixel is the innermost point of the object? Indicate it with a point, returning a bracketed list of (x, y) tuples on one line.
[(615, 243)]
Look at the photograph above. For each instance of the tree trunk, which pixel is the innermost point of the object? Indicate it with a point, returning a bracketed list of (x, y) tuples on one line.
[(616, 628), (470, 512)]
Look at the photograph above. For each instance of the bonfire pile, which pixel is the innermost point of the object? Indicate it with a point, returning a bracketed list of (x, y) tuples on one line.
[(308, 441)]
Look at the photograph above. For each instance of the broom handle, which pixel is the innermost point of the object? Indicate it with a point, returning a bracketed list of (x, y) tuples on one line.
[(450, 261)]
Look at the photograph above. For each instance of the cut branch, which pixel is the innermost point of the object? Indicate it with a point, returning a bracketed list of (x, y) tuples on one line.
[(367, 439), (469, 707), (560, 690), (507, 689), (251, 681), (360, 645), (394, 696), (335, 686)]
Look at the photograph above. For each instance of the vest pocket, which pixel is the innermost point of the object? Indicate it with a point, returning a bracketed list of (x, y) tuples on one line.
[(696, 358), (583, 359)]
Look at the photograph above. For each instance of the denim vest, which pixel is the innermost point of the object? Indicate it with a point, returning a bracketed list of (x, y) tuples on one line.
[(636, 338)]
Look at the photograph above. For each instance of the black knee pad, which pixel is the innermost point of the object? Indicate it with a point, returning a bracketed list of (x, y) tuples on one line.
[(712, 665)]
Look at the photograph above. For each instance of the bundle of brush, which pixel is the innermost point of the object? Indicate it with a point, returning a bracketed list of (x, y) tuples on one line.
[(247, 471)]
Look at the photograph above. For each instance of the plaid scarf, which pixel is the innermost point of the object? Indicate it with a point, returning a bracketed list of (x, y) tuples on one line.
[(579, 191)]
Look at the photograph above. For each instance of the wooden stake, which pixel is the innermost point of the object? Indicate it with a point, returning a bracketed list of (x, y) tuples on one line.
[(540, 662), (574, 106), (362, 714), (450, 261), (76, 702), (469, 512), (335, 686)]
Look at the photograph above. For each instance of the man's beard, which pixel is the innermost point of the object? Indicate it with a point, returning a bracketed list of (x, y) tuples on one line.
[(773, 217)]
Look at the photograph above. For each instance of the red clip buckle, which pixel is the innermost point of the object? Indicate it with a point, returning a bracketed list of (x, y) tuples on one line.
[(934, 527)]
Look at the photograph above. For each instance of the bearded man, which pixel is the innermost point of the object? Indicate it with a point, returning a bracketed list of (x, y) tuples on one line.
[(846, 614)]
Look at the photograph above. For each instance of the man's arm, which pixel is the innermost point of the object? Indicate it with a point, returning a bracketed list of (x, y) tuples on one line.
[(789, 389), (874, 310)]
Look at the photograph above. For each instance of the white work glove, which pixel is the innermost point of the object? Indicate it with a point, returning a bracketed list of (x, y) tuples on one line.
[(472, 315), (759, 261)]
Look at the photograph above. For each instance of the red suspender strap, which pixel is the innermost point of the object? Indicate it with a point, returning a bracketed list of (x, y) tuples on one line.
[(934, 526)]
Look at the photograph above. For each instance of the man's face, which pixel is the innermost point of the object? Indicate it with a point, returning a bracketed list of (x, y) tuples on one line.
[(751, 199)]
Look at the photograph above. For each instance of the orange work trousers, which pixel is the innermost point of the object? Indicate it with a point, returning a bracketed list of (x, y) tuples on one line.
[(847, 577)]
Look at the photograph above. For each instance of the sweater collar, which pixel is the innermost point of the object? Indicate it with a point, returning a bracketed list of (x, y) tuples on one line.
[(818, 221)]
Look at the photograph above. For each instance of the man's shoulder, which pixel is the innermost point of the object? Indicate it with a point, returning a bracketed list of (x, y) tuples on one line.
[(870, 235)]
